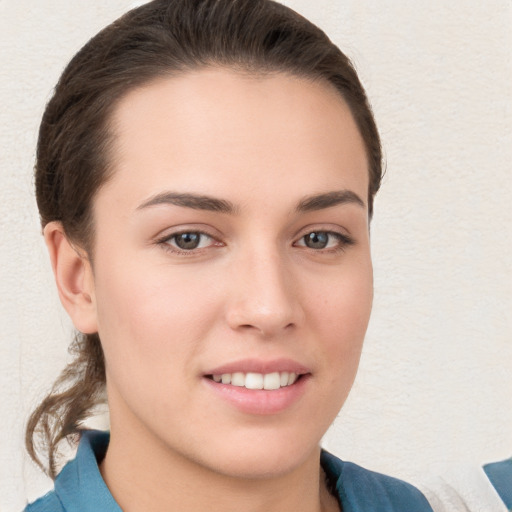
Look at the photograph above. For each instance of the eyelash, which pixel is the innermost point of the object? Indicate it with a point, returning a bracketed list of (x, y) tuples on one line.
[(166, 242), (343, 241)]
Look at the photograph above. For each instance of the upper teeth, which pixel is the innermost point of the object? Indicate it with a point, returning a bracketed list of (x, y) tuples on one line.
[(249, 380)]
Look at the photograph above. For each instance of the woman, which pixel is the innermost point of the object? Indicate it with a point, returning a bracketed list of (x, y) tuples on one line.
[(205, 177)]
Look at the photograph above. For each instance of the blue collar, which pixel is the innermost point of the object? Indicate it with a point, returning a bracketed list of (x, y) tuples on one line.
[(80, 486), (361, 490)]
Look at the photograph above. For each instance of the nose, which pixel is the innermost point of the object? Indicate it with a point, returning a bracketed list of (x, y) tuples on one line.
[(264, 298)]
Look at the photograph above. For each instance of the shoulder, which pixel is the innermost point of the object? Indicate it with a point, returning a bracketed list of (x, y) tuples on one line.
[(47, 503), (500, 476), (360, 489)]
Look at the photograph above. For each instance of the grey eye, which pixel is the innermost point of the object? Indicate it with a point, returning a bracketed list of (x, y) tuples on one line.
[(187, 241), (317, 240)]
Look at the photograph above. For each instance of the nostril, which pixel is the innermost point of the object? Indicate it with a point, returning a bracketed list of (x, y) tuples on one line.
[(267, 329)]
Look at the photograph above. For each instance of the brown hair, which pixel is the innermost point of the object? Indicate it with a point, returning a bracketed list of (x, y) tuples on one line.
[(161, 38)]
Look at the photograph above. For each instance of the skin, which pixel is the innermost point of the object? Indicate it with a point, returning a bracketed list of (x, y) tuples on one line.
[(252, 289)]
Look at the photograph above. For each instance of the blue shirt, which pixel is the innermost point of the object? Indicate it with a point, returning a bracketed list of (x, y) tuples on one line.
[(500, 475), (79, 487)]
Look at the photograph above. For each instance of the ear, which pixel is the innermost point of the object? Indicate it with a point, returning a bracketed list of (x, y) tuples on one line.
[(74, 278)]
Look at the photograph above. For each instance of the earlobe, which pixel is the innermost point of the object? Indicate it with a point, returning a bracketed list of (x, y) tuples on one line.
[(73, 276)]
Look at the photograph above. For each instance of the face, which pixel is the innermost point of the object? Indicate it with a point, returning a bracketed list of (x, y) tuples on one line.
[(232, 275)]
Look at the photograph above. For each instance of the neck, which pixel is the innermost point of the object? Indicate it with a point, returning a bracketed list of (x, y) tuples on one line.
[(144, 474)]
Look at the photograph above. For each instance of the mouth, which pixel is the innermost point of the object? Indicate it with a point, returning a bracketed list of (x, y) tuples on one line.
[(259, 387), (254, 381)]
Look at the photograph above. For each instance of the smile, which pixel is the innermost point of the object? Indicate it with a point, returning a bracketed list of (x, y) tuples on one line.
[(251, 380), (257, 386)]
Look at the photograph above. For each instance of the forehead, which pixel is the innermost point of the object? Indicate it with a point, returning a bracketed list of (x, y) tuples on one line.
[(217, 128)]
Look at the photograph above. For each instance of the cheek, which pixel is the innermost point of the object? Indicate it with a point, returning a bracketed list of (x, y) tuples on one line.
[(339, 313), (150, 313), (344, 299), (151, 325), (342, 312)]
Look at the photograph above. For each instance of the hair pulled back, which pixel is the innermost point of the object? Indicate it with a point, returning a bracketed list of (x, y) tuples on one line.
[(160, 38)]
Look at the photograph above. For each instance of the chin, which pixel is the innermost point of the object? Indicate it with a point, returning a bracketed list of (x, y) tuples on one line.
[(259, 457)]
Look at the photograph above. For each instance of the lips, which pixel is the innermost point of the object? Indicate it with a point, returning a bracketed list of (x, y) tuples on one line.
[(260, 366), (259, 387)]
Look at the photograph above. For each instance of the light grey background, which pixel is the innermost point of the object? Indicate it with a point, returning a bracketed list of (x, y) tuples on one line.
[(435, 386)]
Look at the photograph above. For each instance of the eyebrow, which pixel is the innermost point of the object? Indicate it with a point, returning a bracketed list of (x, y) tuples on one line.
[(329, 199), (213, 204), (195, 201)]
